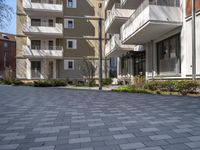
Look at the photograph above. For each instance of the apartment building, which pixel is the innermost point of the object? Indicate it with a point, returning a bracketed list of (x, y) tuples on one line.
[(81, 37), (164, 28), (56, 37)]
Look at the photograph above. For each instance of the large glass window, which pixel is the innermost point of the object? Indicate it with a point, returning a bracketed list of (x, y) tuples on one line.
[(169, 56), (139, 63)]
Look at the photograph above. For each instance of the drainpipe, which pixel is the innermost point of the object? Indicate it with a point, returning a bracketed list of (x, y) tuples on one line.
[(152, 60), (193, 41), (100, 46)]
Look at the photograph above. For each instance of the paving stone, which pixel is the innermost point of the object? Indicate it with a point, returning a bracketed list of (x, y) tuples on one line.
[(194, 138), (117, 129), (149, 129), (132, 146), (42, 148), (150, 148), (160, 137), (79, 140), (79, 132), (46, 139), (176, 147), (8, 146), (123, 136), (193, 144)]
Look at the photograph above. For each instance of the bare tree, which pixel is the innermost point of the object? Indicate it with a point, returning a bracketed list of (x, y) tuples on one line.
[(6, 13), (88, 69)]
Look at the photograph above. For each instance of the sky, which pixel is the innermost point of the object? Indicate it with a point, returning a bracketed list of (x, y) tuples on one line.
[(12, 26)]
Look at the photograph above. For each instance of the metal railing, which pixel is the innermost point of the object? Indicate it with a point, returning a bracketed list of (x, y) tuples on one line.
[(112, 14), (146, 3), (37, 47), (42, 24), (47, 1)]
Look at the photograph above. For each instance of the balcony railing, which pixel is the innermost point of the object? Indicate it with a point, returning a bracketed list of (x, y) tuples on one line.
[(150, 20), (44, 29), (117, 12), (146, 3), (114, 45), (43, 6), (37, 51)]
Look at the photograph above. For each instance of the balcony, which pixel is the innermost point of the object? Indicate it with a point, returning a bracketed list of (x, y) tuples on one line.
[(36, 52), (117, 18), (44, 30), (130, 4), (38, 9), (109, 3), (151, 20), (114, 47)]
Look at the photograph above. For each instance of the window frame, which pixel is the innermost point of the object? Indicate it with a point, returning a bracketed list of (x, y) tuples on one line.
[(67, 23), (74, 4), (74, 44), (66, 64)]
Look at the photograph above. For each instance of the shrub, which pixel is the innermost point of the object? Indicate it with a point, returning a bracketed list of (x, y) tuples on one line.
[(125, 89), (8, 82), (58, 83), (133, 89), (186, 87), (107, 81), (139, 81), (49, 83), (44, 83), (168, 86), (17, 82), (183, 86), (152, 85)]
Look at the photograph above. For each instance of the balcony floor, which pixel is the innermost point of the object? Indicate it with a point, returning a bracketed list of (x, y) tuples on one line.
[(150, 31)]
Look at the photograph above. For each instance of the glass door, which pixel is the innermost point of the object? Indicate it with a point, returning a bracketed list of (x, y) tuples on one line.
[(35, 69)]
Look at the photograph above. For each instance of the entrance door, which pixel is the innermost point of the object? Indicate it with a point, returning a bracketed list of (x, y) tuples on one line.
[(50, 69), (35, 69)]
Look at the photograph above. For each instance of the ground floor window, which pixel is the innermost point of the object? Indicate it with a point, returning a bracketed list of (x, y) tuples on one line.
[(69, 64), (168, 52), (113, 67), (139, 63), (35, 69), (133, 63)]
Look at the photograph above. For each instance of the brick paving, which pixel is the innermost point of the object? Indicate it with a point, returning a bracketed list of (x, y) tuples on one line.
[(63, 119)]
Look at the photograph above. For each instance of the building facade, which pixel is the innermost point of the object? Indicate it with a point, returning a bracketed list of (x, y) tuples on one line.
[(7, 55), (56, 38), (130, 58), (164, 28)]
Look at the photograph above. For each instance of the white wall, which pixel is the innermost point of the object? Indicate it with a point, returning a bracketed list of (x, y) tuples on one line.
[(186, 47)]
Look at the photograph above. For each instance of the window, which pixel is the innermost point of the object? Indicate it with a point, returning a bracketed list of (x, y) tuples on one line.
[(5, 44), (50, 45), (71, 3), (71, 44), (50, 23), (169, 56), (35, 22), (36, 44), (69, 64), (69, 23)]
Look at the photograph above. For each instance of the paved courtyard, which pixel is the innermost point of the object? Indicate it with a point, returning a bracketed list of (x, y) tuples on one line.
[(61, 119)]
